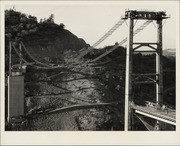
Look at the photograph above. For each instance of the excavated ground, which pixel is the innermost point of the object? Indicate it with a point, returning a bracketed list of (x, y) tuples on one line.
[(59, 91)]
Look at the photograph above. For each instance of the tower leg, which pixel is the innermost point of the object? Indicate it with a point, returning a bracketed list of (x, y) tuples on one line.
[(128, 84), (159, 84), (159, 68)]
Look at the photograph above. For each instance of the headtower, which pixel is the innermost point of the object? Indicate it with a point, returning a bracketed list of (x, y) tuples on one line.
[(130, 16)]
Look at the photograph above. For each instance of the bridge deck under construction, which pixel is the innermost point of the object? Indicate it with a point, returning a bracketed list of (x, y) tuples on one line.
[(165, 116)]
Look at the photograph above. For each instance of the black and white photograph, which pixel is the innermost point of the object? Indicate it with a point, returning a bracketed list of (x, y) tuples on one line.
[(89, 66)]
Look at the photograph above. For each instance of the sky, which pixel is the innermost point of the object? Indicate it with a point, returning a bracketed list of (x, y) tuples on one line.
[(91, 20)]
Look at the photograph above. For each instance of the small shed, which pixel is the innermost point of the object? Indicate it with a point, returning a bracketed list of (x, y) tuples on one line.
[(15, 96)]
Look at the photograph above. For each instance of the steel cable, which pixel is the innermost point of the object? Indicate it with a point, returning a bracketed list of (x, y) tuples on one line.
[(123, 41)]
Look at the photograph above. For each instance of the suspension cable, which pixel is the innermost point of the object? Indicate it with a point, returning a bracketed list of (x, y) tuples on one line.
[(164, 22), (19, 54), (38, 62), (123, 41), (116, 26), (41, 67), (126, 23), (154, 25), (46, 66), (106, 35), (135, 23)]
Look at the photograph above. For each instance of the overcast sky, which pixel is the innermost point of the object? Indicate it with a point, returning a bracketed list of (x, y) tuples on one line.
[(90, 20)]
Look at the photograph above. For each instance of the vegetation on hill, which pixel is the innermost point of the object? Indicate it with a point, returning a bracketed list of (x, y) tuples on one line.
[(114, 63), (44, 39), (104, 81)]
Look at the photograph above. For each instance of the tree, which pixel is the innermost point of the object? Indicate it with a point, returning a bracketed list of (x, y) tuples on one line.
[(41, 20), (18, 24), (50, 19), (61, 25)]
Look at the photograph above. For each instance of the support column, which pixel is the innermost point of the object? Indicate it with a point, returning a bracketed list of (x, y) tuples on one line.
[(20, 63), (159, 65), (10, 49), (128, 84)]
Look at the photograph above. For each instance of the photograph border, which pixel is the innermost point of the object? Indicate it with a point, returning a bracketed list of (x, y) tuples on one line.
[(89, 137)]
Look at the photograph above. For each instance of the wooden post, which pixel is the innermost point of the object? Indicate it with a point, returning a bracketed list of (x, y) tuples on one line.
[(128, 84)]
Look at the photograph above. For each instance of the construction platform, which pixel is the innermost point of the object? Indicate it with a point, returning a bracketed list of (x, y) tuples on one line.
[(168, 116)]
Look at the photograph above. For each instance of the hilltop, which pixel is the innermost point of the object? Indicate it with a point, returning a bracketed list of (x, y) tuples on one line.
[(42, 39), (169, 52)]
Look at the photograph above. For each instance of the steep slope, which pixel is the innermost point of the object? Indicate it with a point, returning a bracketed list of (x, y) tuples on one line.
[(43, 39), (51, 41)]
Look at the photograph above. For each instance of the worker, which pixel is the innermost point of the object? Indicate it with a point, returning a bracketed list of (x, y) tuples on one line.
[(164, 108), (157, 128)]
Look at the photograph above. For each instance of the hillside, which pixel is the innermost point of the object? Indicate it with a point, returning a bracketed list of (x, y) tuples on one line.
[(51, 41), (115, 62), (42, 39), (99, 82), (169, 52), (104, 81)]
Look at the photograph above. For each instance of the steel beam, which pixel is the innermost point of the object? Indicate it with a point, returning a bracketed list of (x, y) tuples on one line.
[(155, 117), (145, 15), (152, 47), (144, 82), (145, 74), (128, 84), (145, 51), (144, 43), (137, 47), (159, 85), (149, 127)]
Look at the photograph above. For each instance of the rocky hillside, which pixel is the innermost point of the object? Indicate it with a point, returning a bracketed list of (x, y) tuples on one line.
[(116, 61), (100, 82), (50, 40), (42, 39)]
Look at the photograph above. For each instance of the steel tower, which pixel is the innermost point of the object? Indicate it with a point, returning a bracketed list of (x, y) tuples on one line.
[(132, 46)]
